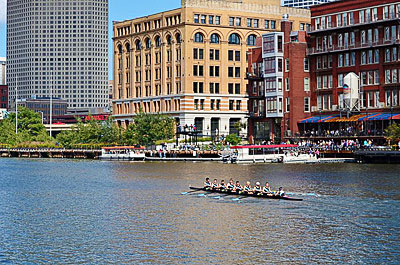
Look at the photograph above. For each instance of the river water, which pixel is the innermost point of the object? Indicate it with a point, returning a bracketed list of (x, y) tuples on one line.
[(93, 212)]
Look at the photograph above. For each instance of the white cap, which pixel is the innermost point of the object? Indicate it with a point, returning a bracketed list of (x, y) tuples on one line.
[(257, 183)]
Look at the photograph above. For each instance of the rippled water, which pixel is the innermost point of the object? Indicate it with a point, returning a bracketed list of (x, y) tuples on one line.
[(92, 212)]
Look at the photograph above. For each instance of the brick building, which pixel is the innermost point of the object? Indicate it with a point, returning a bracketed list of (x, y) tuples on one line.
[(360, 37), (279, 84), (3, 97), (190, 62)]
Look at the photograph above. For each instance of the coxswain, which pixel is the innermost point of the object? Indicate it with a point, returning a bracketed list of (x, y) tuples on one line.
[(238, 188), (257, 188), (247, 188), (214, 185), (266, 188), (230, 185), (207, 184), (280, 192), (222, 186)]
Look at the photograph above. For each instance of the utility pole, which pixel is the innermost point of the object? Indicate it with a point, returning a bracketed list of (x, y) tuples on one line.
[(16, 108)]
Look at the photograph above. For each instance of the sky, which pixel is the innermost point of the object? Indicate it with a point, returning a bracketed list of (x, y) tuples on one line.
[(118, 10)]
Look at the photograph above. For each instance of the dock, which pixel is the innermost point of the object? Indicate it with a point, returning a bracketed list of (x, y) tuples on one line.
[(50, 153)]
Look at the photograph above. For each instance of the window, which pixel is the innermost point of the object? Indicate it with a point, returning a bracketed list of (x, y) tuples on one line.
[(214, 38), (237, 71), (230, 55), (251, 40), (210, 19), (231, 21), (238, 103), (234, 39), (306, 104), (230, 88), (237, 88), (230, 71), (237, 56), (231, 102), (249, 22), (273, 24), (217, 20), (306, 84), (267, 24), (158, 41), (306, 65), (148, 43), (287, 65), (196, 18), (198, 37), (287, 84), (287, 107), (238, 21), (203, 19), (255, 23)]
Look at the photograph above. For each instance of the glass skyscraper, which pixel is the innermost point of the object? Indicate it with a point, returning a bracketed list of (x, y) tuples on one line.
[(59, 48), (303, 3)]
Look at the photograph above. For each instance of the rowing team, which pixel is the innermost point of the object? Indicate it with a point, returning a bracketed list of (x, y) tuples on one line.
[(246, 189)]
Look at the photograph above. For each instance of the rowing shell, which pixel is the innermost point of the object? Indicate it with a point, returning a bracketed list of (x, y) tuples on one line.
[(259, 195)]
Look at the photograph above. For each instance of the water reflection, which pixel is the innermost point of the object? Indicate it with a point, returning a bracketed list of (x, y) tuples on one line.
[(71, 212)]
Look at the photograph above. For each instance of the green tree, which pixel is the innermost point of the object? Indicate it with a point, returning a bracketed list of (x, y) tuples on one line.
[(393, 132), (146, 129), (30, 128), (233, 139)]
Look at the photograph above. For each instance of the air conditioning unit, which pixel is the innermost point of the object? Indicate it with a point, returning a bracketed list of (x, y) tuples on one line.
[(314, 108), (381, 104), (334, 107)]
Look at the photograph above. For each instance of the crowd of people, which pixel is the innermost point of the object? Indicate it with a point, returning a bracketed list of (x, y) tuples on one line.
[(236, 187), (348, 144), (348, 131)]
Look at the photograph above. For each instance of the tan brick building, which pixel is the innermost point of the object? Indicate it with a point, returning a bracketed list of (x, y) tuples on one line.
[(191, 62)]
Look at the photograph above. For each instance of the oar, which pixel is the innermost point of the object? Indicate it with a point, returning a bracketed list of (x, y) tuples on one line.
[(221, 196), (187, 192)]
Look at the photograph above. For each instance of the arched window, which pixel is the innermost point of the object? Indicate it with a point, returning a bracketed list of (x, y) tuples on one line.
[(234, 38), (198, 37), (158, 41), (251, 40), (169, 40), (138, 45), (148, 43), (120, 49), (178, 38), (214, 38)]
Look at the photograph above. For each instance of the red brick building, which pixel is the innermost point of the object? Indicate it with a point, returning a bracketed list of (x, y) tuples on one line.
[(278, 85), (3, 97), (360, 37)]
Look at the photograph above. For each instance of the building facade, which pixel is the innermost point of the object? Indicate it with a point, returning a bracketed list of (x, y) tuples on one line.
[(191, 62), (3, 67), (361, 38), (58, 48), (3, 96), (303, 3), (279, 85), (42, 106)]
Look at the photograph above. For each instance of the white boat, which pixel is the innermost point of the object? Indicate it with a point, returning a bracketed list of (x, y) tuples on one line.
[(258, 153), (128, 153)]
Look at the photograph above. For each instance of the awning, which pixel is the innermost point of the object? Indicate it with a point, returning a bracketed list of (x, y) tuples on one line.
[(319, 118), (382, 117), (350, 119)]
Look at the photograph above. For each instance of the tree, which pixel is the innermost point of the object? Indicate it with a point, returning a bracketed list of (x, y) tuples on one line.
[(233, 139), (393, 132), (146, 129), (30, 128)]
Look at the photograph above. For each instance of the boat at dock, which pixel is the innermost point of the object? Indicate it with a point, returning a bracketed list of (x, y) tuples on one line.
[(258, 153), (259, 195), (128, 153)]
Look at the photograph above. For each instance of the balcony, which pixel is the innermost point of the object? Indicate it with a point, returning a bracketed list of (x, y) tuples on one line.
[(355, 46), (388, 17), (258, 75), (257, 114)]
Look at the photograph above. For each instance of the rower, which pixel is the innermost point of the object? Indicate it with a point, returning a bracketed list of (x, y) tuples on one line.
[(222, 186), (207, 184), (257, 188), (266, 188), (230, 185), (238, 188), (247, 188), (280, 192), (214, 185)]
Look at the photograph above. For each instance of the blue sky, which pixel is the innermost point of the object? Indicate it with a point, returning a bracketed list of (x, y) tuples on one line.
[(119, 10)]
